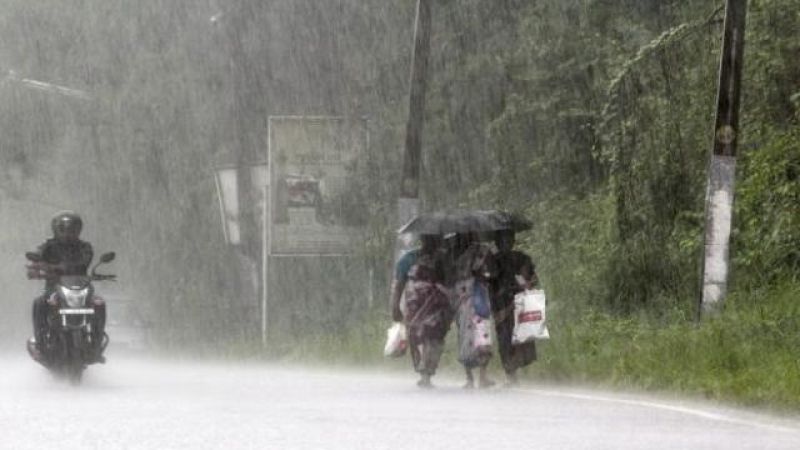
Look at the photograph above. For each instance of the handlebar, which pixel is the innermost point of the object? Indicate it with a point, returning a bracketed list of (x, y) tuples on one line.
[(45, 271), (42, 271), (103, 277)]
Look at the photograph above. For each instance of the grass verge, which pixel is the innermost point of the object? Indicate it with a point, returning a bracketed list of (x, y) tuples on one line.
[(749, 355)]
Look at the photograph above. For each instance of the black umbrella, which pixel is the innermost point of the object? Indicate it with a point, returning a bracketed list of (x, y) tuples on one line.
[(441, 222)]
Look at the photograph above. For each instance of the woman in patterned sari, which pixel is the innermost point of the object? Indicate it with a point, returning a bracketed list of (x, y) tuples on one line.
[(419, 280)]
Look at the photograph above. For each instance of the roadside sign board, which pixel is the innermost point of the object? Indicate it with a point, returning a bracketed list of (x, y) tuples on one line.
[(314, 201)]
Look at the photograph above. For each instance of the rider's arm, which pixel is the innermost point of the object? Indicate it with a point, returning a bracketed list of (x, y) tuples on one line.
[(86, 255), (41, 250), (49, 259)]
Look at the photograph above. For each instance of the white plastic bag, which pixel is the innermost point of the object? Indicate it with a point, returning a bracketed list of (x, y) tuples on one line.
[(396, 341), (529, 317)]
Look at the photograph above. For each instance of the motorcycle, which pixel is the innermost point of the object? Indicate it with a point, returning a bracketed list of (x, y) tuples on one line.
[(68, 346)]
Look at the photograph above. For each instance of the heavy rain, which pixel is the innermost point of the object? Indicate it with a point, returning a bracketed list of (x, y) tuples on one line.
[(250, 163)]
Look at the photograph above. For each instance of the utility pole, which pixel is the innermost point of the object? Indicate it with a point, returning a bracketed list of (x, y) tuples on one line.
[(245, 89), (408, 203), (722, 168)]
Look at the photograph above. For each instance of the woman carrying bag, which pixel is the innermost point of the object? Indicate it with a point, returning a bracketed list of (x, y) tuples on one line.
[(419, 278), (516, 273), (472, 269)]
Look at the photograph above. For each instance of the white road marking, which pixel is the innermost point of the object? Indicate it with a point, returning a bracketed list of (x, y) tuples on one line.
[(662, 406)]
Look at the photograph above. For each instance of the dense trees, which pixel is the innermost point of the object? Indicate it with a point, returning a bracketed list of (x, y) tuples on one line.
[(600, 129)]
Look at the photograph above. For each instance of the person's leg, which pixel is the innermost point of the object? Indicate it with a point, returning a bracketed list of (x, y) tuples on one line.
[(483, 378), (521, 355), (424, 380), (421, 365), (98, 328), (416, 347), (504, 330), (431, 354), (470, 379), (40, 319), (511, 378)]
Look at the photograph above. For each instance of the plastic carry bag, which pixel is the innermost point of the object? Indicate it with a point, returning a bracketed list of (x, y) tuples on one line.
[(529, 317), (396, 341), (480, 300)]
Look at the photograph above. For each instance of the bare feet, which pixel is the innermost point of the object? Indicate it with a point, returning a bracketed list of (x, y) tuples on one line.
[(512, 380), (485, 383), (470, 384), (425, 382)]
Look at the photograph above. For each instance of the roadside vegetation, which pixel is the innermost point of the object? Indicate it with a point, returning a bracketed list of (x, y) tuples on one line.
[(599, 132), (747, 356)]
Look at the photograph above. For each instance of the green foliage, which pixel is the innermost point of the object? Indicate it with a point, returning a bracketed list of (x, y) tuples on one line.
[(767, 229), (772, 76), (605, 113), (745, 356), (571, 243), (768, 209)]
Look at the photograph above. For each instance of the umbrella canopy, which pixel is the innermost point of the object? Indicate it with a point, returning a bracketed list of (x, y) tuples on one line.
[(441, 222)]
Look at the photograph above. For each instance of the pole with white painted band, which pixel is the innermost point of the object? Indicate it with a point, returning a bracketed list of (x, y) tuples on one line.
[(722, 168)]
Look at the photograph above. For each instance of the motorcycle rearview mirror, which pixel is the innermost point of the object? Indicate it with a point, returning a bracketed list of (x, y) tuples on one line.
[(34, 257), (108, 257)]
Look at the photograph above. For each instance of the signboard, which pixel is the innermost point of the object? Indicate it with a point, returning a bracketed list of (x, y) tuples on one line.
[(316, 206)]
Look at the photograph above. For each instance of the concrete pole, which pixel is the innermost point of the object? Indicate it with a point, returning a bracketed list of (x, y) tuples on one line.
[(408, 203), (722, 168), (244, 88)]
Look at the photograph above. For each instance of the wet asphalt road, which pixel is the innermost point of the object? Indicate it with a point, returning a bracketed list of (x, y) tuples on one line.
[(140, 404)]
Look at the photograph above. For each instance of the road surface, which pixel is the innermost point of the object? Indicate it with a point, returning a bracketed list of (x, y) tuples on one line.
[(139, 404)]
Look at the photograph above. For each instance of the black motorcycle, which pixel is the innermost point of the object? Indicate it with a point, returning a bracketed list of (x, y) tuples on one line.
[(68, 345)]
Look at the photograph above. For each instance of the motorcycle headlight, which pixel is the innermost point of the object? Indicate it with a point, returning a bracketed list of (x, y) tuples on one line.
[(75, 298)]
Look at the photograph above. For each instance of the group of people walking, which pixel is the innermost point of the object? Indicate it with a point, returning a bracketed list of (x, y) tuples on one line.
[(463, 280)]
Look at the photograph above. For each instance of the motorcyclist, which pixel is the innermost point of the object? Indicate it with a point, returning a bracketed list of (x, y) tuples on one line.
[(62, 255)]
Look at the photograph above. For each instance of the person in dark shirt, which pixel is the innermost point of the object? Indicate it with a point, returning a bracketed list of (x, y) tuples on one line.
[(66, 254), (516, 272)]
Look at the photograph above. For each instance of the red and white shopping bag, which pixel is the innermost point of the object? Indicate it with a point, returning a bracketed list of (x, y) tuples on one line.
[(529, 316)]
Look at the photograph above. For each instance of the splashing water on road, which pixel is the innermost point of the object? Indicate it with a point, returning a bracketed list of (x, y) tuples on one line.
[(138, 404)]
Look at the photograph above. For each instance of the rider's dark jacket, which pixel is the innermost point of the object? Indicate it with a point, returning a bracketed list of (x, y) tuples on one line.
[(73, 257)]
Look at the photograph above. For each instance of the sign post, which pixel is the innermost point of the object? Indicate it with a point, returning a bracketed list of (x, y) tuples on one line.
[(311, 200)]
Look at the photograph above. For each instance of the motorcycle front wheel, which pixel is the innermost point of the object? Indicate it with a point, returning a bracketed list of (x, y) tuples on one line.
[(74, 367)]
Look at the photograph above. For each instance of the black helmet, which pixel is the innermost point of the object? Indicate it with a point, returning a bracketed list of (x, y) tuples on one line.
[(66, 225)]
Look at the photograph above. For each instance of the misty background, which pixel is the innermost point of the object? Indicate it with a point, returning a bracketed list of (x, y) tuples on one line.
[(173, 90)]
